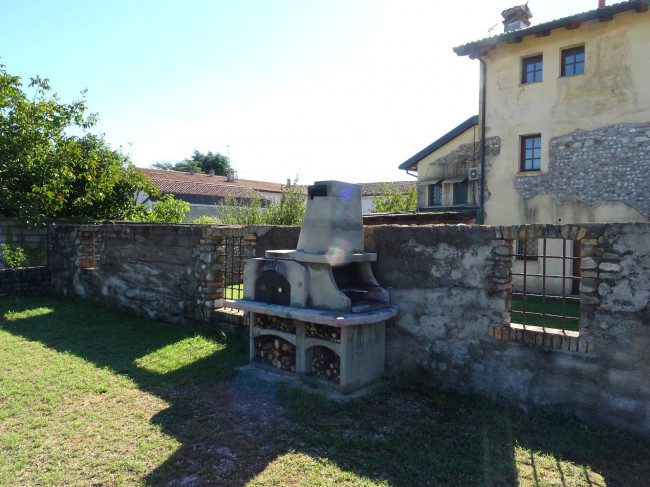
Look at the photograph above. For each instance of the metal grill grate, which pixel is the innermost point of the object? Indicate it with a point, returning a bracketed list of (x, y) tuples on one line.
[(549, 292)]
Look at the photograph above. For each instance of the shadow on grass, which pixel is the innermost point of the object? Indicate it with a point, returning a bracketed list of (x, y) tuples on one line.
[(237, 429)]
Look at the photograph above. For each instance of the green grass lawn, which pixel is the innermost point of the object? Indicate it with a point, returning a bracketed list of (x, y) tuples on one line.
[(91, 396), (552, 306)]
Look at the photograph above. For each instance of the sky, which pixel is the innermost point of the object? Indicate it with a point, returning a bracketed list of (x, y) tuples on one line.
[(314, 89)]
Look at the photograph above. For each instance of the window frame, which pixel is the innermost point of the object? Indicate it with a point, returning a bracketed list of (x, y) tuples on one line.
[(456, 188), (431, 194), (532, 61), (527, 249), (572, 51), (523, 159)]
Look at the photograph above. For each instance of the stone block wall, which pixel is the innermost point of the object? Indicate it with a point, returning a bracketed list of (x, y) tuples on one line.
[(452, 285), (27, 280), (605, 164), (32, 240), (170, 272)]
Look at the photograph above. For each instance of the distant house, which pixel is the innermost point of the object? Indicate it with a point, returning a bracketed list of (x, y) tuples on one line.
[(446, 182), (370, 191), (204, 191), (563, 132), (563, 124)]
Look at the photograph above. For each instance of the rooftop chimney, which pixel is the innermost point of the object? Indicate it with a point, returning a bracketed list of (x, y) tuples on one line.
[(192, 170), (230, 176), (211, 172), (602, 4), (516, 18)]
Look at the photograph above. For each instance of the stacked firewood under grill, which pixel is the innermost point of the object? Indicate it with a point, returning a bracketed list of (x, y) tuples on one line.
[(276, 352), (326, 364), (324, 332), (267, 322)]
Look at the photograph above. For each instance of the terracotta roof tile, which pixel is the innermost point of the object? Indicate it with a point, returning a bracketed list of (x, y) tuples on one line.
[(177, 182)]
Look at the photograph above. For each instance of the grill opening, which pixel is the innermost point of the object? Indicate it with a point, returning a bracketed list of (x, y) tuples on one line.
[(352, 281), (272, 288)]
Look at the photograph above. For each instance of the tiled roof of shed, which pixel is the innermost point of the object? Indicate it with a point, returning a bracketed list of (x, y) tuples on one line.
[(177, 182), (475, 48)]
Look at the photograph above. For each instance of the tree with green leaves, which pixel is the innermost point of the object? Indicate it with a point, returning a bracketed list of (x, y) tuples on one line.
[(393, 199), (13, 259), (289, 209), (182, 166), (46, 172), (202, 163)]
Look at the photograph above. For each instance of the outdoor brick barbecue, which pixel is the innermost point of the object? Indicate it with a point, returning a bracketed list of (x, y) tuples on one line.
[(317, 312)]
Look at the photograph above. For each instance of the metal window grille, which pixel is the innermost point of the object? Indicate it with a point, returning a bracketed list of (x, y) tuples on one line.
[(549, 294), (233, 268)]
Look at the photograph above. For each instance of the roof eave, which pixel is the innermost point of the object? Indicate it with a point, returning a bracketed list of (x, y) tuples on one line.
[(480, 48), (412, 162)]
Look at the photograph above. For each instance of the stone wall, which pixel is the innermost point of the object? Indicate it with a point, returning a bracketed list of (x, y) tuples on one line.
[(32, 240), (27, 280), (606, 164), (452, 284)]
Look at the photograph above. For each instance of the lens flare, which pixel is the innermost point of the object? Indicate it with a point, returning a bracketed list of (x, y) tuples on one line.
[(334, 255)]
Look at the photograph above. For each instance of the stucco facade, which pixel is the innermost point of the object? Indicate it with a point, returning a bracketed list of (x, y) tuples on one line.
[(612, 91), (590, 127), (594, 126)]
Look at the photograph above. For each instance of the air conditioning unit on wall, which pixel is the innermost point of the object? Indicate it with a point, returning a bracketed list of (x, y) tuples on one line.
[(473, 173)]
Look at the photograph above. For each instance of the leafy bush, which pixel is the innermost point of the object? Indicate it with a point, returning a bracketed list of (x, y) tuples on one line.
[(255, 210), (205, 220), (289, 210), (170, 210), (11, 258), (393, 199), (166, 210)]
